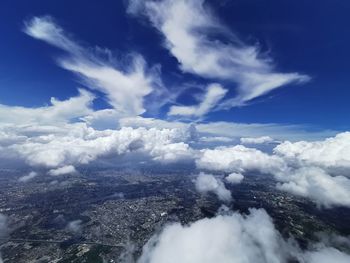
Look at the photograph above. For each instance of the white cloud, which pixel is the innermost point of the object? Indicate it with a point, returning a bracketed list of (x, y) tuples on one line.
[(232, 237), (124, 85), (28, 177), (193, 43), (238, 159), (45, 137), (274, 130), (234, 178), (315, 170), (256, 140), (206, 183), (68, 169), (224, 239), (316, 184), (80, 144), (58, 112), (213, 95), (333, 152), (45, 28)]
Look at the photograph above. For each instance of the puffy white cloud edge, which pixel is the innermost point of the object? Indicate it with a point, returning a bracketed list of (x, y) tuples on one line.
[(232, 237)]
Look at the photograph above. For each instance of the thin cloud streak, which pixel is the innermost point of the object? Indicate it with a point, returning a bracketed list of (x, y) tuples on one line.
[(198, 51), (125, 86)]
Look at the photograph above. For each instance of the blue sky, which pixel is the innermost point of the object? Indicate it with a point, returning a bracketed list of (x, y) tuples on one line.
[(221, 86), (300, 36)]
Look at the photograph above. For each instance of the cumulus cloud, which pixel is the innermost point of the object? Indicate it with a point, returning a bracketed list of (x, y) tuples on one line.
[(193, 43), (232, 237), (238, 159), (81, 145), (68, 169), (28, 177), (315, 170), (334, 152), (124, 85), (234, 178), (206, 183), (213, 95), (256, 140), (49, 139), (316, 184)]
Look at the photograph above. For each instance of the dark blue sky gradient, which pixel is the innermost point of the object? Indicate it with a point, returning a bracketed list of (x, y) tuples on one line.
[(305, 36)]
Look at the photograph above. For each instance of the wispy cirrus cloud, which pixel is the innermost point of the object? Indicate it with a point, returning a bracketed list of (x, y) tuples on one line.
[(125, 85), (60, 111), (190, 30), (213, 95)]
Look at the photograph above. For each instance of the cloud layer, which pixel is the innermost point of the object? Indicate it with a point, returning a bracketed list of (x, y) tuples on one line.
[(316, 170), (82, 144), (68, 133), (333, 152), (231, 238)]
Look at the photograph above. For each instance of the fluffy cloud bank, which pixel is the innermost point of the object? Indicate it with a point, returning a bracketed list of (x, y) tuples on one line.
[(238, 159), (46, 137), (331, 153), (206, 183), (199, 52), (316, 170), (82, 144), (230, 238), (318, 185)]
